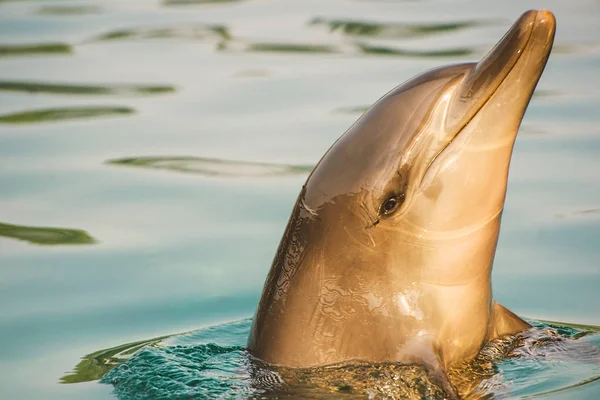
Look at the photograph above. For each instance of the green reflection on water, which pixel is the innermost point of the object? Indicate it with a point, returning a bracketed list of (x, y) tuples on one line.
[(58, 114), (391, 30), (331, 49), (581, 327), (74, 89), (68, 10), (93, 366), (212, 166), (381, 50), (7, 50), (195, 2), (185, 32), (45, 236), (292, 48)]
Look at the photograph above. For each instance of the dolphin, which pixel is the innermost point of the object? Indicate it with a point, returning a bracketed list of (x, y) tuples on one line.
[(388, 253)]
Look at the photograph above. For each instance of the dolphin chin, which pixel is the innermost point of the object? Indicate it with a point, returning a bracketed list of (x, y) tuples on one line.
[(388, 252)]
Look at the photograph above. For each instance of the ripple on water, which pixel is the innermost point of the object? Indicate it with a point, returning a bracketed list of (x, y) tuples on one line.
[(366, 30), (588, 47), (360, 32), (350, 48), (94, 366), (589, 213), (9, 50), (392, 51), (68, 10), (393, 30), (45, 236), (82, 89), (195, 2), (351, 109), (213, 166), (66, 113), (282, 48), (197, 32), (546, 359)]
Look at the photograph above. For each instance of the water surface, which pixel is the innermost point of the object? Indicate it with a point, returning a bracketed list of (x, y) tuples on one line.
[(151, 151)]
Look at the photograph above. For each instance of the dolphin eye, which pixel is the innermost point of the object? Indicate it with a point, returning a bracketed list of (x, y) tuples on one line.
[(390, 205)]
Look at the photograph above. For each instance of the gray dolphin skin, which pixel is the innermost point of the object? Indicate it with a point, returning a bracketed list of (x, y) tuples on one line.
[(388, 253)]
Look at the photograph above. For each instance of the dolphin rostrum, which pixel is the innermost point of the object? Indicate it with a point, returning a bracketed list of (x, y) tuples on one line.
[(388, 253)]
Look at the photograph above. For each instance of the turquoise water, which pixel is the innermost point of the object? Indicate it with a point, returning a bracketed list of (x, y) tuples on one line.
[(151, 151), (549, 361)]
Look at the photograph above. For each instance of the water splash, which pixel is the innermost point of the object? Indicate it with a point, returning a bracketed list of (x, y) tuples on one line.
[(548, 358)]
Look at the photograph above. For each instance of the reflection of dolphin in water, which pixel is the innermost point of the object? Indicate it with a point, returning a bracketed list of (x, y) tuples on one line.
[(388, 253)]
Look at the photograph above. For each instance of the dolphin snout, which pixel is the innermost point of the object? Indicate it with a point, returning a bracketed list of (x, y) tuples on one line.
[(532, 33), (544, 27)]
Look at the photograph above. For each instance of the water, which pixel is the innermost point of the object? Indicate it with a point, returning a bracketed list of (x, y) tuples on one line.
[(547, 361), (150, 154)]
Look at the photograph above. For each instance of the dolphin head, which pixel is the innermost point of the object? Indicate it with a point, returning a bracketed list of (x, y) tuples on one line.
[(392, 239), (434, 152), (429, 160)]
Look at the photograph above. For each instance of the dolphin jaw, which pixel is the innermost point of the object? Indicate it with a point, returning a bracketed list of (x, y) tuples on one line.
[(525, 31)]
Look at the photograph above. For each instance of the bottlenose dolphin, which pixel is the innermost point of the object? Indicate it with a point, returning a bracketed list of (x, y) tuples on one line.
[(388, 253)]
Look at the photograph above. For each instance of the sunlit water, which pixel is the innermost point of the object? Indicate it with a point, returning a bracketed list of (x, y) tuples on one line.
[(151, 151)]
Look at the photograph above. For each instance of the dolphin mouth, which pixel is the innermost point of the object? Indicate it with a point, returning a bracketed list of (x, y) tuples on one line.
[(533, 32), (526, 46)]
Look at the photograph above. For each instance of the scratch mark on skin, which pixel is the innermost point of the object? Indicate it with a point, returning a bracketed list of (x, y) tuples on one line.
[(370, 222), (308, 209), (371, 238), (360, 242)]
